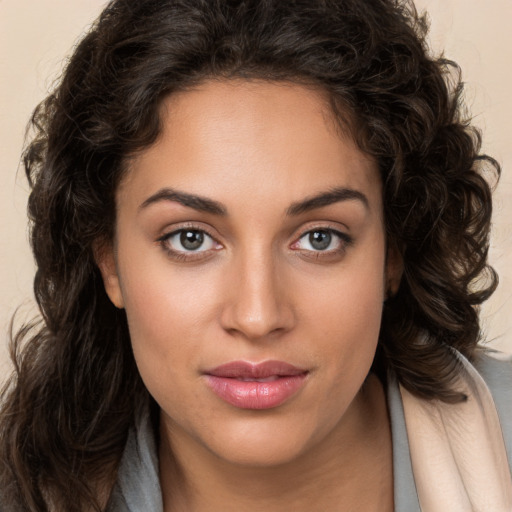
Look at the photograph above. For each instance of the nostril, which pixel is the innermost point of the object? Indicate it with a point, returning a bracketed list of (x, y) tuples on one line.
[(267, 323)]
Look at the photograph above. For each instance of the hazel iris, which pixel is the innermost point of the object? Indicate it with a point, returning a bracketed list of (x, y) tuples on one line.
[(191, 240), (320, 240)]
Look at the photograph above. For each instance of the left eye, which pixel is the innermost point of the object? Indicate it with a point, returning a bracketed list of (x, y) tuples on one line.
[(189, 240), (322, 240)]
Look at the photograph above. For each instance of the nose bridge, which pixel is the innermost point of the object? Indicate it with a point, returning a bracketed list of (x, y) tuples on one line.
[(259, 304)]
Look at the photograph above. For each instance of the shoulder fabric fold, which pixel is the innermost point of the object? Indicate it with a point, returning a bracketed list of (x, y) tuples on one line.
[(458, 454)]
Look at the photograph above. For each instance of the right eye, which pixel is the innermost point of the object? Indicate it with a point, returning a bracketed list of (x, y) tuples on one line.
[(187, 241)]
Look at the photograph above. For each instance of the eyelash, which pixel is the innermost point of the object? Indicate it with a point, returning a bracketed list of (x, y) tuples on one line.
[(345, 241), (185, 255)]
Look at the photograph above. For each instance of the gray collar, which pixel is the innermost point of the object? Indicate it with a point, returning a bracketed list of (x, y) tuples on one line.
[(138, 487)]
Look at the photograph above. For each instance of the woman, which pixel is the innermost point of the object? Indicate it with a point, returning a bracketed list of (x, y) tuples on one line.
[(261, 231)]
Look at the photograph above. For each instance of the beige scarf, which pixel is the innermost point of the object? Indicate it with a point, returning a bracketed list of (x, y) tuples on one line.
[(457, 450)]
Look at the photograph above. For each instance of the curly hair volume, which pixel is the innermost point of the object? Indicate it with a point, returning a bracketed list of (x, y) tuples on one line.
[(67, 409)]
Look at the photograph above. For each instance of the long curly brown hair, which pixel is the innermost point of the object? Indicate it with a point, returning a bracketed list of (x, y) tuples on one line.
[(70, 402)]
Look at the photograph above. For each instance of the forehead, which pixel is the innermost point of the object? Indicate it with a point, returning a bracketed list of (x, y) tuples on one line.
[(236, 137)]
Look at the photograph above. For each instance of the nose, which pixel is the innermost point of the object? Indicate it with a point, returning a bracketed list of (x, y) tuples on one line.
[(259, 304)]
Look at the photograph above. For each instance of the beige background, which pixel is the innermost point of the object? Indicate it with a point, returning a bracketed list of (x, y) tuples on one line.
[(37, 35)]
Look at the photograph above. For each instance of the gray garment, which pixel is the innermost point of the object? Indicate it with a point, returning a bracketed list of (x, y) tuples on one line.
[(138, 487)]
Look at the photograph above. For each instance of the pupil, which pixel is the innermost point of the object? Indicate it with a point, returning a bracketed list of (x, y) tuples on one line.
[(320, 240), (191, 240)]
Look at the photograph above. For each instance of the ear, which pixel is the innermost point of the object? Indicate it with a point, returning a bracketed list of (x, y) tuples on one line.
[(394, 269), (104, 256)]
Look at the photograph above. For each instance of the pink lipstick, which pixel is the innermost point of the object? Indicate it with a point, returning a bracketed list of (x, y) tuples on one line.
[(255, 386)]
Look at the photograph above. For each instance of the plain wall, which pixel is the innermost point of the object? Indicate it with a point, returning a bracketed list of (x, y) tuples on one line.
[(37, 35)]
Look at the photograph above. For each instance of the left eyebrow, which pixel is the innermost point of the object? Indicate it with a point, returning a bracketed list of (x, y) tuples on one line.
[(332, 196)]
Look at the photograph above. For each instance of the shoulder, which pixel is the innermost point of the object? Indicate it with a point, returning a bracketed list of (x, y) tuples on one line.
[(496, 370)]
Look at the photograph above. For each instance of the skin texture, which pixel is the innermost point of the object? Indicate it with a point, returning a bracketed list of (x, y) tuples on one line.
[(257, 290)]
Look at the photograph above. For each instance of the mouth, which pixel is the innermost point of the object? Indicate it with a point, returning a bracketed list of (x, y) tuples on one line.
[(248, 385)]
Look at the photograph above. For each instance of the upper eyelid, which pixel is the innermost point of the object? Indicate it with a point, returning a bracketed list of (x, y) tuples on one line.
[(330, 229), (328, 224), (170, 231), (344, 236), (323, 227)]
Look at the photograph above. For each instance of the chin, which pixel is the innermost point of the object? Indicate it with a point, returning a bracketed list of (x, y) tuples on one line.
[(262, 453), (263, 442)]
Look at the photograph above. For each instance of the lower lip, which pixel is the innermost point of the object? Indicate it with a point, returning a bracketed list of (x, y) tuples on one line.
[(253, 394)]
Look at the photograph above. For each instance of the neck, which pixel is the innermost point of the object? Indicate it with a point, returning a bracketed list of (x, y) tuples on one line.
[(351, 469)]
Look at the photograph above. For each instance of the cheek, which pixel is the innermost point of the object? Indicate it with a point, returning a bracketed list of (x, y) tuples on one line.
[(165, 312), (170, 318), (349, 320), (350, 298), (344, 317)]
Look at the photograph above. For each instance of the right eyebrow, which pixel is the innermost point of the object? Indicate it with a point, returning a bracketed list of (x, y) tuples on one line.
[(202, 204)]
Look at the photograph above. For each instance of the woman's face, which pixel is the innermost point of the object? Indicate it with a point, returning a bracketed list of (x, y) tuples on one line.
[(250, 259)]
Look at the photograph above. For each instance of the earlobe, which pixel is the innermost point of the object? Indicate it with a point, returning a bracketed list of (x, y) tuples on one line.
[(105, 260)]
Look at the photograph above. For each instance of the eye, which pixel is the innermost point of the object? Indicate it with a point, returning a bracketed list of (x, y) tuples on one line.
[(323, 240), (188, 241)]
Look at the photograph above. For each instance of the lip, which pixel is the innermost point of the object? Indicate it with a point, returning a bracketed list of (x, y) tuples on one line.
[(249, 385)]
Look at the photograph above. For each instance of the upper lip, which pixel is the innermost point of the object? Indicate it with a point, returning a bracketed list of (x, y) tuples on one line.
[(245, 369)]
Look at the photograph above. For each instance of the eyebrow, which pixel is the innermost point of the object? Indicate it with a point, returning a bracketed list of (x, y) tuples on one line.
[(334, 195), (207, 205), (202, 204)]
